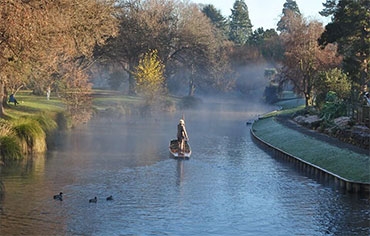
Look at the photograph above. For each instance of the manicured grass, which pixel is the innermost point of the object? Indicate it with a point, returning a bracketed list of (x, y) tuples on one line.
[(101, 102), (288, 106), (30, 104), (291, 104), (340, 161)]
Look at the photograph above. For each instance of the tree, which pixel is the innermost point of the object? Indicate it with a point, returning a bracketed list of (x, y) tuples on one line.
[(15, 42), (290, 9), (303, 59), (82, 30), (216, 18), (143, 25), (240, 24), (76, 91), (350, 30), (272, 48), (149, 75), (183, 36), (334, 80), (44, 40), (268, 44), (257, 37), (200, 52)]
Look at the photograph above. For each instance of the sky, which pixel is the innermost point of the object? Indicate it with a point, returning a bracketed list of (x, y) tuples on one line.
[(266, 13)]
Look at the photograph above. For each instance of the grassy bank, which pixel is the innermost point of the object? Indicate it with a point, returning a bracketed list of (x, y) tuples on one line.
[(340, 161), (26, 127)]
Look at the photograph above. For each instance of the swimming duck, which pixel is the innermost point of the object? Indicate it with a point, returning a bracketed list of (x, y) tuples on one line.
[(110, 198), (59, 196), (94, 200)]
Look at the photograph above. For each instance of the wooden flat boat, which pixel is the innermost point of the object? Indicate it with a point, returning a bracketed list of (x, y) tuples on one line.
[(175, 152)]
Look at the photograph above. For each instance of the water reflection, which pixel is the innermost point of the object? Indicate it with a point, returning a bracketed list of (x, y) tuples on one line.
[(180, 172)]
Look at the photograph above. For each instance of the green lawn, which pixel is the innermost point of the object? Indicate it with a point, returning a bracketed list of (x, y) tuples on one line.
[(30, 104), (340, 161)]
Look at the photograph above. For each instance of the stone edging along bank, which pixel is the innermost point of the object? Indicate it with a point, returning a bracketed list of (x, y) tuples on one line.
[(311, 169)]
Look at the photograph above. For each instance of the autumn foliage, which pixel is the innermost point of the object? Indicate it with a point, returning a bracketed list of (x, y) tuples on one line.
[(149, 75)]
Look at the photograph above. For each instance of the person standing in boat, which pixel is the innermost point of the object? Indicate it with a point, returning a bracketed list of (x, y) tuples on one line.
[(182, 135)]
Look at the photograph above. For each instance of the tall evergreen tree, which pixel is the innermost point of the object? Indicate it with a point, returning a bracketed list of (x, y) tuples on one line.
[(290, 7), (240, 24), (350, 29), (219, 21)]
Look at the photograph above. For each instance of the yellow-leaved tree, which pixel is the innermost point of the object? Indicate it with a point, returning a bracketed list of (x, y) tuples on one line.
[(149, 76)]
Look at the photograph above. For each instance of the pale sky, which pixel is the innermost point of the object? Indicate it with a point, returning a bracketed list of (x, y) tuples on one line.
[(266, 13)]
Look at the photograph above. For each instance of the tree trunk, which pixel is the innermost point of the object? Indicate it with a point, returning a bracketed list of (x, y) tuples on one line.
[(307, 99), (131, 80), (3, 98), (365, 75), (131, 84)]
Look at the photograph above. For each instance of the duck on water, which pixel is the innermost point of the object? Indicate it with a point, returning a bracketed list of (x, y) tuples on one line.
[(58, 196)]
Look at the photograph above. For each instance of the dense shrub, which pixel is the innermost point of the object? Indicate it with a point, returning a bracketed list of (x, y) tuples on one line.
[(333, 107), (334, 80)]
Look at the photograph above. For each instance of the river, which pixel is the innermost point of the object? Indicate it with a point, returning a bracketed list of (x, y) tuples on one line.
[(228, 187)]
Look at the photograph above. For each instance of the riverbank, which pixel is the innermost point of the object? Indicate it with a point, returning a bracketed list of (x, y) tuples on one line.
[(29, 127), (330, 154)]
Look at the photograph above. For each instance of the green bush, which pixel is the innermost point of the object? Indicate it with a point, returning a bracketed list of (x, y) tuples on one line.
[(333, 107), (334, 80)]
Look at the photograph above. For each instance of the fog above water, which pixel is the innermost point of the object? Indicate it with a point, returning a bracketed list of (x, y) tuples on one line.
[(149, 136), (208, 118)]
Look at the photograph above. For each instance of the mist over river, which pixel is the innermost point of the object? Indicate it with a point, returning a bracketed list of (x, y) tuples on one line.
[(228, 187)]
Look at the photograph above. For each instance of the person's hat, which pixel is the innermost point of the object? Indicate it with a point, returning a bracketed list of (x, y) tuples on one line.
[(182, 121)]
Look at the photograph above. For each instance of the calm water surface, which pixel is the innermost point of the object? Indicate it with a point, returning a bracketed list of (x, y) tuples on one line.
[(229, 187)]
